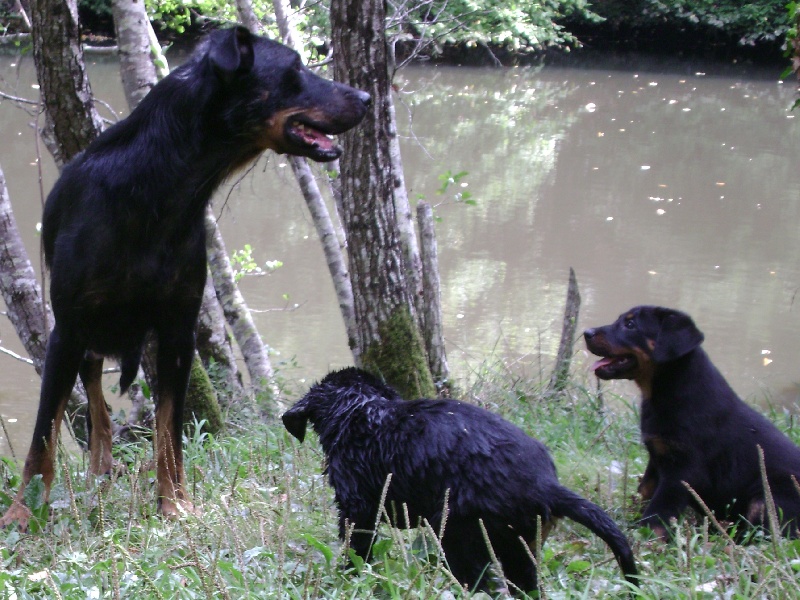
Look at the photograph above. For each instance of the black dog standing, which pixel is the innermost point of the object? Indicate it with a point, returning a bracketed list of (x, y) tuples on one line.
[(124, 239), (490, 469), (695, 427)]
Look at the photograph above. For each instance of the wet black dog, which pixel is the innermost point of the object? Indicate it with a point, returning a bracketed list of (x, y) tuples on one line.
[(490, 468), (124, 236), (695, 428)]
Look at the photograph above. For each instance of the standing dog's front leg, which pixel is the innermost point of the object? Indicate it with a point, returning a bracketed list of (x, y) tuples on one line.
[(175, 354)]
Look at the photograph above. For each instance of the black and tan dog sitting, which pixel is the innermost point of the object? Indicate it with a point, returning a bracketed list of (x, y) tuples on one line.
[(695, 427), (490, 469)]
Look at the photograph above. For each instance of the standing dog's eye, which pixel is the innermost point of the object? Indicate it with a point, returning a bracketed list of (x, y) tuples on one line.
[(630, 324)]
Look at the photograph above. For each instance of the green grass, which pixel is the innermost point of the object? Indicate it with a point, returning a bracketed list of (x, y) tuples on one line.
[(268, 523)]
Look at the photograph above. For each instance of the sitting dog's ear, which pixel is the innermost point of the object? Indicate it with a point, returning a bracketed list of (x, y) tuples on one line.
[(295, 421), (677, 336), (232, 52)]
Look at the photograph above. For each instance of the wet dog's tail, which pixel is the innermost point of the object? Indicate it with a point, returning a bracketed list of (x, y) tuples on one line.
[(569, 504)]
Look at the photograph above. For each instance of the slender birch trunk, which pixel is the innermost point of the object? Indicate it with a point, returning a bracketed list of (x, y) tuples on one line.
[(331, 243), (215, 349), (20, 288), (137, 69), (431, 300), (236, 312), (247, 15)]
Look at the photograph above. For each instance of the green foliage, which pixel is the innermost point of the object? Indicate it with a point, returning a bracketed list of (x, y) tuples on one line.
[(793, 44), (518, 26), (749, 22), (515, 25), (101, 8), (449, 178), (243, 263)]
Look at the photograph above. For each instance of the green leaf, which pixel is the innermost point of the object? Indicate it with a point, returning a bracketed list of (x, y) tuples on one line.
[(34, 493), (381, 548), (578, 566), (323, 548)]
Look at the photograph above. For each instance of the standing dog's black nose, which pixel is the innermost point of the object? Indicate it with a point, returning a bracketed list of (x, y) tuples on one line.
[(589, 333)]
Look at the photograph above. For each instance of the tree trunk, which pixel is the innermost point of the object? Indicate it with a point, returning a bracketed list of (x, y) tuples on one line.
[(405, 217), (388, 336), (247, 15), (236, 312), (136, 62), (215, 350), (331, 245), (431, 305), (61, 72), (20, 288)]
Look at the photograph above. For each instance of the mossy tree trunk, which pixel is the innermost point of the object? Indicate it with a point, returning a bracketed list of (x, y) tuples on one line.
[(388, 342)]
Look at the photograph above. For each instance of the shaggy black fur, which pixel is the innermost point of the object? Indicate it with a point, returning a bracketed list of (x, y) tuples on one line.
[(124, 233), (696, 429), (492, 470)]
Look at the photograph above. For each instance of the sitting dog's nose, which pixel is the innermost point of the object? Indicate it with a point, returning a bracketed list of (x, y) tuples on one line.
[(365, 98), (589, 333)]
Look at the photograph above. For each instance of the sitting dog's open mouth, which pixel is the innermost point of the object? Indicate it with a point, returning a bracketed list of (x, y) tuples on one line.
[(614, 367), (311, 139)]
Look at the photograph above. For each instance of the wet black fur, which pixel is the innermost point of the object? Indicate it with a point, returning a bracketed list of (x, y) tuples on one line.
[(123, 227), (492, 469), (696, 429)]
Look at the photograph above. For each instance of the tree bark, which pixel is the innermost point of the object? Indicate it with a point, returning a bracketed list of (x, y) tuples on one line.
[(215, 349), (331, 244), (405, 217), (388, 337), (71, 118), (137, 68), (236, 312), (331, 247), (247, 15), (431, 301), (20, 288)]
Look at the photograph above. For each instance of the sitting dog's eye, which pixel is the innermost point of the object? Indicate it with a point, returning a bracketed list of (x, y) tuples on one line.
[(630, 324)]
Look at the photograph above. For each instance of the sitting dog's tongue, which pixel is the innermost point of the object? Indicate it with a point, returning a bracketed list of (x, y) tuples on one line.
[(603, 362)]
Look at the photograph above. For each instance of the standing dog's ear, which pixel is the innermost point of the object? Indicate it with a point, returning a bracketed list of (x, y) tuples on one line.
[(296, 419), (677, 336), (232, 52)]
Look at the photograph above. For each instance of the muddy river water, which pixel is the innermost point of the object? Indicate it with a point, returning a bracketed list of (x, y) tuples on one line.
[(672, 184)]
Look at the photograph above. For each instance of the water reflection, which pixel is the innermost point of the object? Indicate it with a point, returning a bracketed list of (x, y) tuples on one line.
[(658, 186)]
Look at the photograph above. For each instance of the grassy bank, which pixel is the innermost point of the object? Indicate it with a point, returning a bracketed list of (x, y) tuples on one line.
[(268, 524)]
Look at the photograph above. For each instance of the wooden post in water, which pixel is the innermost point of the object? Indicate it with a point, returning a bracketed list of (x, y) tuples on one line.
[(560, 376)]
